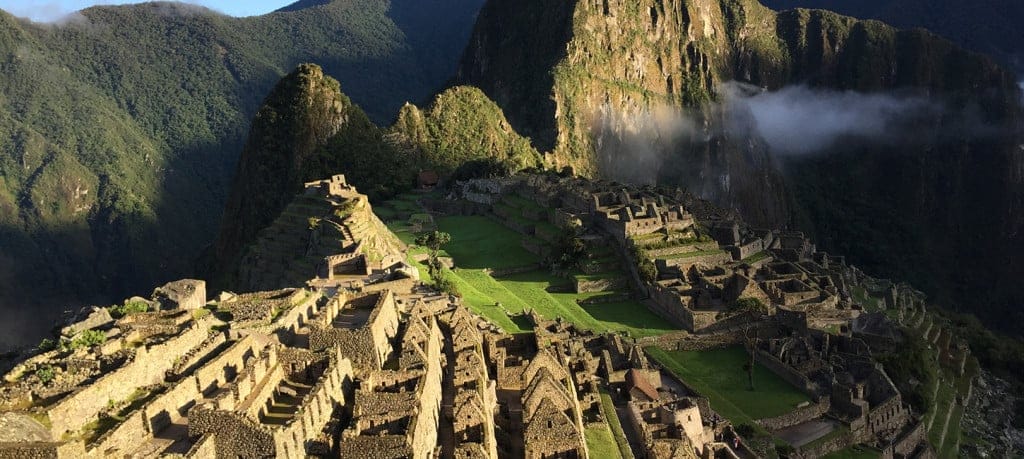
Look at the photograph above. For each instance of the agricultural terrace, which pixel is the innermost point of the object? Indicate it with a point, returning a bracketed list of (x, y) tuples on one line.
[(482, 244), (720, 376)]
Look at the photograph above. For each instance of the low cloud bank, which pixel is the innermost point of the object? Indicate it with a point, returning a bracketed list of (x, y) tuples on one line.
[(635, 146), (798, 120)]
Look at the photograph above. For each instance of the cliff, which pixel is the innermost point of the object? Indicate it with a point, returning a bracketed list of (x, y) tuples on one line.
[(593, 81)]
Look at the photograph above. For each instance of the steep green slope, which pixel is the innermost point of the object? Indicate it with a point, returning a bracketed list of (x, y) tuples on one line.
[(308, 129), (942, 211), (121, 128)]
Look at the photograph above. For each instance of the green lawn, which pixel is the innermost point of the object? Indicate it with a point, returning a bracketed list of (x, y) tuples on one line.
[(600, 442), (718, 375), (479, 242)]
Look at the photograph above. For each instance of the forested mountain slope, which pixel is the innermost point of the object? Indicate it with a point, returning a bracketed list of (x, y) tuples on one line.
[(121, 126)]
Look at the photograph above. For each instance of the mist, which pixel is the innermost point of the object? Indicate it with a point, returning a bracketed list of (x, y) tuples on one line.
[(637, 144), (799, 120), (60, 13)]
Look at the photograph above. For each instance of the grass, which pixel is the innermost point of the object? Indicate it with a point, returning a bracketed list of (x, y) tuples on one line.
[(608, 408), (756, 257), (479, 242), (601, 443), (719, 375)]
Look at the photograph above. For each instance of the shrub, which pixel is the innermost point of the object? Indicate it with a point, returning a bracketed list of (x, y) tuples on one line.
[(444, 284), (45, 374), (47, 345), (88, 338), (132, 307), (648, 272)]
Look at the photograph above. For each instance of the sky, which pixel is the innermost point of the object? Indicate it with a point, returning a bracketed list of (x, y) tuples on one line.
[(52, 10)]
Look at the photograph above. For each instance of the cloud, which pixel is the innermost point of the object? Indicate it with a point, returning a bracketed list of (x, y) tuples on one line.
[(632, 147), (59, 13), (47, 12), (799, 120), (637, 144)]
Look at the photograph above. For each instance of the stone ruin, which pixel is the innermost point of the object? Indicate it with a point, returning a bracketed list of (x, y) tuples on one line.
[(361, 360)]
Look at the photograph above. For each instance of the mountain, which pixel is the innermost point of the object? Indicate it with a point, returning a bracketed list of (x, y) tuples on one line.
[(308, 128), (593, 82), (120, 128), (986, 26)]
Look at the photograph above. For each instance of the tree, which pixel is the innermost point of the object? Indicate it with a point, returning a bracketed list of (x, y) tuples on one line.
[(433, 241)]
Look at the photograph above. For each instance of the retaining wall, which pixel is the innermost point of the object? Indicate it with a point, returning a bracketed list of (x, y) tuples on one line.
[(147, 368)]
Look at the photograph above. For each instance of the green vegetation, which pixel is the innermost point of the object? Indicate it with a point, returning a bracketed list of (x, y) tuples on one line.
[(85, 339), (463, 125), (45, 374), (720, 376), (608, 409), (754, 305), (132, 307), (47, 345), (127, 122), (479, 244), (600, 442)]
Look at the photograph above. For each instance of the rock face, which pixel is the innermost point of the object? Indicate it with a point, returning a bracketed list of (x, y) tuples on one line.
[(603, 77)]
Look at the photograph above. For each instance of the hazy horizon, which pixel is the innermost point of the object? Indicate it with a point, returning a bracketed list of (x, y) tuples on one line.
[(55, 10)]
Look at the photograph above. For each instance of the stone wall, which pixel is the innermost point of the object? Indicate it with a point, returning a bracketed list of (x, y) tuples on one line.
[(234, 435), (128, 435), (400, 285), (296, 318), (600, 285), (147, 368), (315, 411), (217, 372), (670, 305), (786, 372), (684, 264), (797, 416), (424, 427), (204, 448), (695, 246), (25, 450), (909, 441)]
